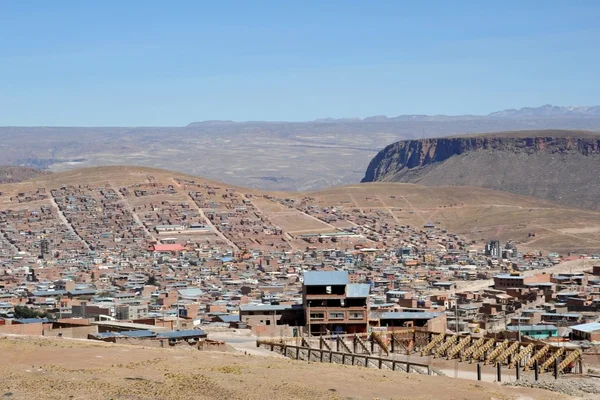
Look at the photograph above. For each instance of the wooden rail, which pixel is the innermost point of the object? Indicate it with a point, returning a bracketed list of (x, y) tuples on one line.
[(328, 356)]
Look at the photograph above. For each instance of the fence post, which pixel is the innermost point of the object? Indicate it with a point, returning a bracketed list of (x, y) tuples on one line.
[(536, 369), (499, 371), (518, 371), (478, 371), (556, 368)]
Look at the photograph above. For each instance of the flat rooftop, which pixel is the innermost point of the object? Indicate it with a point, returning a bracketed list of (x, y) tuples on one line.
[(128, 325)]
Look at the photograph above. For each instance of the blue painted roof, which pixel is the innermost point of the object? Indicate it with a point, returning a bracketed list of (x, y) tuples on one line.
[(182, 334), (539, 327), (42, 293), (229, 318), (107, 334), (320, 278), (31, 320), (358, 290), (590, 327)]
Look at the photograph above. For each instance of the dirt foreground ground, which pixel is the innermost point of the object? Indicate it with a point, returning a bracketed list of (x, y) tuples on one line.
[(45, 368)]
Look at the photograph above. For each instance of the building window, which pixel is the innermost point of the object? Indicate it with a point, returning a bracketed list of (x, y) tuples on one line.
[(268, 322), (336, 315), (317, 316), (357, 315)]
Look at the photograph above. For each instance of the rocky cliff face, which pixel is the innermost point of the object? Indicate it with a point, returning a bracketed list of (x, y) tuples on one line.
[(563, 167)]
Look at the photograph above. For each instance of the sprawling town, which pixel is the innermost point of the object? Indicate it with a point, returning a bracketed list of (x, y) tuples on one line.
[(165, 264)]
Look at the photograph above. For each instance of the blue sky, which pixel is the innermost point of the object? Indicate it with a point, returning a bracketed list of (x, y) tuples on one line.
[(153, 63)]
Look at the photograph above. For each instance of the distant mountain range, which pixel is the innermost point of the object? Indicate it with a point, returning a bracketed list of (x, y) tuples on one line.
[(277, 156), (547, 111)]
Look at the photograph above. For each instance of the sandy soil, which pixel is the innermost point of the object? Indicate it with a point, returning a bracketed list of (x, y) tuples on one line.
[(64, 369)]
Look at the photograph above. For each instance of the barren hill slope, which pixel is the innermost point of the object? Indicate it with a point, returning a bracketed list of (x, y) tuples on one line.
[(12, 174), (560, 166), (63, 369), (477, 213)]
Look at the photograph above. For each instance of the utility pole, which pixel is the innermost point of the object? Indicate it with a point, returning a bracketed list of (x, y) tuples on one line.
[(456, 317), (308, 307), (178, 310)]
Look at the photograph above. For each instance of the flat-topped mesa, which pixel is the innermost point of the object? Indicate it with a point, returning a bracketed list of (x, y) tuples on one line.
[(562, 166)]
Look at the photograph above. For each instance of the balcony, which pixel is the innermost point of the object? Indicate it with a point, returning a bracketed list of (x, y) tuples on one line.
[(325, 296), (338, 315)]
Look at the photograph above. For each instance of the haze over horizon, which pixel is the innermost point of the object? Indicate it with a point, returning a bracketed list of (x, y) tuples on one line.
[(169, 65)]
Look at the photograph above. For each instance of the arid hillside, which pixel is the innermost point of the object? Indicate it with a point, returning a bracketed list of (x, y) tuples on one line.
[(560, 166), (478, 214), (13, 174), (36, 368)]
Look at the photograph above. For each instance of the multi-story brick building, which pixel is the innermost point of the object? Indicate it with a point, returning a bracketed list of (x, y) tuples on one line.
[(333, 304)]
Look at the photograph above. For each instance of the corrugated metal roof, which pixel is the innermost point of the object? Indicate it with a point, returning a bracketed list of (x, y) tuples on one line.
[(565, 315), (357, 290), (48, 293), (407, 315), (190, 292), (230, 318), (540, 327), (320, 278), (31, 320), (509, 276), (82, 292), (590, 327), (138, 334), (265, 307), (182, 334)]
